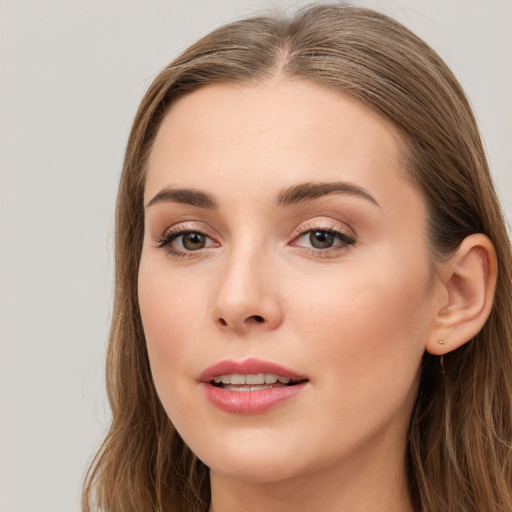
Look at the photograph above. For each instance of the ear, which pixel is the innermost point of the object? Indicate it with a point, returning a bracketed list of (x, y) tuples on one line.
[(466, 292)]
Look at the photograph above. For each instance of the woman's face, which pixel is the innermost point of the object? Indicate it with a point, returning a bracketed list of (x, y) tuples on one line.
[(283, 239)]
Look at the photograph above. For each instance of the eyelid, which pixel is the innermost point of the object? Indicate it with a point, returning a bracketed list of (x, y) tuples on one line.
[(346, 237), (323, 224), (187, 227)]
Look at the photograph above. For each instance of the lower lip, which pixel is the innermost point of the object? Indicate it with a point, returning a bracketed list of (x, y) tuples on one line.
[(251, 402)]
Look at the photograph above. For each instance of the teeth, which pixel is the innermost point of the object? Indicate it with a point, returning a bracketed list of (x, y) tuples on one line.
[(237, 379), (252, 379), (230, 387)]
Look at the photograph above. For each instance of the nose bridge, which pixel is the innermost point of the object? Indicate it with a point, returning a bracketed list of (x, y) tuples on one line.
[(247, 296)]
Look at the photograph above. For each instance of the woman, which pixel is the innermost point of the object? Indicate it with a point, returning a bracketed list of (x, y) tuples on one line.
[(312, 307)]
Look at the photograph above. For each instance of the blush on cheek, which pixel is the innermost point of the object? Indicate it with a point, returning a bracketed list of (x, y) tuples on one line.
[(169, 312)]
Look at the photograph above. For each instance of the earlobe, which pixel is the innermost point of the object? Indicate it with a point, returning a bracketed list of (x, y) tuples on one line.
[(468, 280)]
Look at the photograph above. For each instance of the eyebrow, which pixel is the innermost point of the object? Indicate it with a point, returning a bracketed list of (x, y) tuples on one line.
[(184, 196), (307, 191), (292, 195)]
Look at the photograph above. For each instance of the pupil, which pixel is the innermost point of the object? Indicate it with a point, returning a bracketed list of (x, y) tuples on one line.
[(321, 239), (193, 241)]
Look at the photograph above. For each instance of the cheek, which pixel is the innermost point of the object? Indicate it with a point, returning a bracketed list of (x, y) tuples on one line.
[(358, 303), (370, 327), (166, 302), (171, 327), (366, 340)]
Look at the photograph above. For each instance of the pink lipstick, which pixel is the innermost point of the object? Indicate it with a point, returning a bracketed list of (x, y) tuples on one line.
[(252, 386)]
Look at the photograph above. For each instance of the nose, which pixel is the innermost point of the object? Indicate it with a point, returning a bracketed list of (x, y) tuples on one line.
[(248, 297)]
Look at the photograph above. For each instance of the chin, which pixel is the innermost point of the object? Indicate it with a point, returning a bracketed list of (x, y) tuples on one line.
[(251, 458), (259, 471)]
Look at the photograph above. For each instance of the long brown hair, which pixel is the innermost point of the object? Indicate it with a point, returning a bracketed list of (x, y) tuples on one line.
[(460, 436)]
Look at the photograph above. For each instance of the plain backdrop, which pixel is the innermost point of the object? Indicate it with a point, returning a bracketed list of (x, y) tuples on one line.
[(71, 75)]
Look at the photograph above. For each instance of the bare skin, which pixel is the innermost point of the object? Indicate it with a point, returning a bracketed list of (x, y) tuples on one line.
[(335, 286)]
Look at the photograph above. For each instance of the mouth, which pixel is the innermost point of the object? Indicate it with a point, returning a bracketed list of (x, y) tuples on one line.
[(251, 386), (252, 382), (250, 372)]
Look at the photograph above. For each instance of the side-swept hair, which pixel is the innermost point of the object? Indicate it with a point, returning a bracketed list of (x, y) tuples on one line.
[(460, 435)]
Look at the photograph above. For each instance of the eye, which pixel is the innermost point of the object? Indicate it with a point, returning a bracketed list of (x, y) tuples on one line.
[(323, 240), (182, 242), (192, 241)]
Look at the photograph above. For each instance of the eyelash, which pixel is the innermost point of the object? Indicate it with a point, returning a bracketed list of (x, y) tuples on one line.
[(344, 241), (165, 242)]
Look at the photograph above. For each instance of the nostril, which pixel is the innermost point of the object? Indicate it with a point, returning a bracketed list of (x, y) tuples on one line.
[(250, 319)]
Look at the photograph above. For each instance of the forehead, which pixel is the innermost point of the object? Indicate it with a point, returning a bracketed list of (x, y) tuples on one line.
[(270, 136)]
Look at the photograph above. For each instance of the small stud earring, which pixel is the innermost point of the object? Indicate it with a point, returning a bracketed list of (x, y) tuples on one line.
[(442, 341)]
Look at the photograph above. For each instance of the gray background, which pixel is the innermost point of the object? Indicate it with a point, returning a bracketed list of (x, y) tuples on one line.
[(71, 75)]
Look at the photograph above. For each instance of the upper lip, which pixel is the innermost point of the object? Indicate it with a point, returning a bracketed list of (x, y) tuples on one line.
[(250, 366)]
